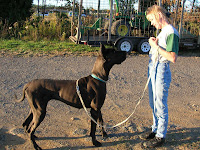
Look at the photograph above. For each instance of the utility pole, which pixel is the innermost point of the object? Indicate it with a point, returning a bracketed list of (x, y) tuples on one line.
[(177, 5), (38, 8), (181, 20), (44, 5)]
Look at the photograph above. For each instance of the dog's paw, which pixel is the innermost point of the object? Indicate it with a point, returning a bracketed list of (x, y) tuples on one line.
[(36, 147), (97, 143), (104, 135), (35, 136), (39, 148), (91, 134)]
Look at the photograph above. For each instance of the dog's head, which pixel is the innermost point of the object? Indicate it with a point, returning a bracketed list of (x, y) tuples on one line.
[(112, 56), (106, 59)]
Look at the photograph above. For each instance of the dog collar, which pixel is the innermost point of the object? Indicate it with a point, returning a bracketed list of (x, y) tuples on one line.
[(95, 77)]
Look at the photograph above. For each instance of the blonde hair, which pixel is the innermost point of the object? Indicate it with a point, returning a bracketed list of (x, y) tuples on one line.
[(155, 9)]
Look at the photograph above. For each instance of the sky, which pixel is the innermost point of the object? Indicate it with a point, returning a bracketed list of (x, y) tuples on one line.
[(51, 2), (86, 3)]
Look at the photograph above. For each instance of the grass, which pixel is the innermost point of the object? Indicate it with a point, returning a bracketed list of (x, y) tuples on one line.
[(40, 48), (22, 48)]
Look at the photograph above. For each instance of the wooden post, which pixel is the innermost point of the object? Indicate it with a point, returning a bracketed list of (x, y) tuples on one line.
[(72, 19), (110, 21), (79, 21), (181, 19)]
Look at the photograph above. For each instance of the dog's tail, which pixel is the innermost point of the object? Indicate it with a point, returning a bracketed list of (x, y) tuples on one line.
[(23, 95)]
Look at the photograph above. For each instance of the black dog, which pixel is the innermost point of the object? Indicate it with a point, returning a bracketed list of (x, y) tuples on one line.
[(92, 88)]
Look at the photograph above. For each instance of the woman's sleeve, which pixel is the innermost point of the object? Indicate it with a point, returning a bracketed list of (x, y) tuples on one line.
[(172, 43)]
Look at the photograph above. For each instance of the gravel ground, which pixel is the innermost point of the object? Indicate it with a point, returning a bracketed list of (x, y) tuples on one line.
[(65, 127)]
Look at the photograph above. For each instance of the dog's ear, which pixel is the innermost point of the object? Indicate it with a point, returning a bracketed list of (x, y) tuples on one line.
[(103, 50)]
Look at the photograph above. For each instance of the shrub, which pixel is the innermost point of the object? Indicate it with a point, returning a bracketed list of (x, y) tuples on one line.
[(56, 26)]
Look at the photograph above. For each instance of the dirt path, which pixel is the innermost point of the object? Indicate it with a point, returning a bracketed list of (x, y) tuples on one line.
[(67, 128)]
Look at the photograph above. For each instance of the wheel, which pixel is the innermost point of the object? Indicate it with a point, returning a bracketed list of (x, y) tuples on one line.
[(125, 45), (144, 46), (120, 28)]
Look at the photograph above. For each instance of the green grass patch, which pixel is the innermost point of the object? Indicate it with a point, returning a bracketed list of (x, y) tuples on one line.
[(32, 48)]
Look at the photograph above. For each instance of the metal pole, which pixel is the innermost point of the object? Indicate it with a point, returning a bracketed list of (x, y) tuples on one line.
[(98, 9), (110, 21), (139, 3), (160, 2)]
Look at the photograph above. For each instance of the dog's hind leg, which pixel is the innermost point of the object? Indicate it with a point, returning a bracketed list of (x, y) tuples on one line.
[(38, 117), (38, 108), (94, 115), (104, 134), (28, 121)]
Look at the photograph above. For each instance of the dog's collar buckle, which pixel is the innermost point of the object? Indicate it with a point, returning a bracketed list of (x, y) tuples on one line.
[(95, 77)]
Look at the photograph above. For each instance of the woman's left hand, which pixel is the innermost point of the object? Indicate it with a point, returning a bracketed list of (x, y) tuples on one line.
[(153, 42), (171, 56)]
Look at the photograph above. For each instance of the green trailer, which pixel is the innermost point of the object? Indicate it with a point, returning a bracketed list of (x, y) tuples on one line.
[(125, 28)]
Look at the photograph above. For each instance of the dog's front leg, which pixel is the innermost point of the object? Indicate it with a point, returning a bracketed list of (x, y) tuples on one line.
[(94, 115), (32, 138), (104, 134)]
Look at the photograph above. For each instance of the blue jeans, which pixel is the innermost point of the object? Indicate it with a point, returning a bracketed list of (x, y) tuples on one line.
[(158, 93)]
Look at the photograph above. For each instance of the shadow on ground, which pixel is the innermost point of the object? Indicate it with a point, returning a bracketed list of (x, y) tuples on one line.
[(8, 140), (183, 138)]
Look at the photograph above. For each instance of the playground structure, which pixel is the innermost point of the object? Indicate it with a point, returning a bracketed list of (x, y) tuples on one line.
[(118, 23)]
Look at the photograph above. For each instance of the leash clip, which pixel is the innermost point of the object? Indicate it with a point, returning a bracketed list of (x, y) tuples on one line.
[(77, 87)]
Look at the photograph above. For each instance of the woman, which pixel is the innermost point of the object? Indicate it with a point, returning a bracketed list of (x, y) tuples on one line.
[(164, 49)]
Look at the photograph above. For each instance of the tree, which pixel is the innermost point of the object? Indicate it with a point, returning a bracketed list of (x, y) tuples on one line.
[(193, 4), (15, 10)]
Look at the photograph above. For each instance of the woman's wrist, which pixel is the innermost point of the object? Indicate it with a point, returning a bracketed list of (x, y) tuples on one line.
[(158, 48)]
